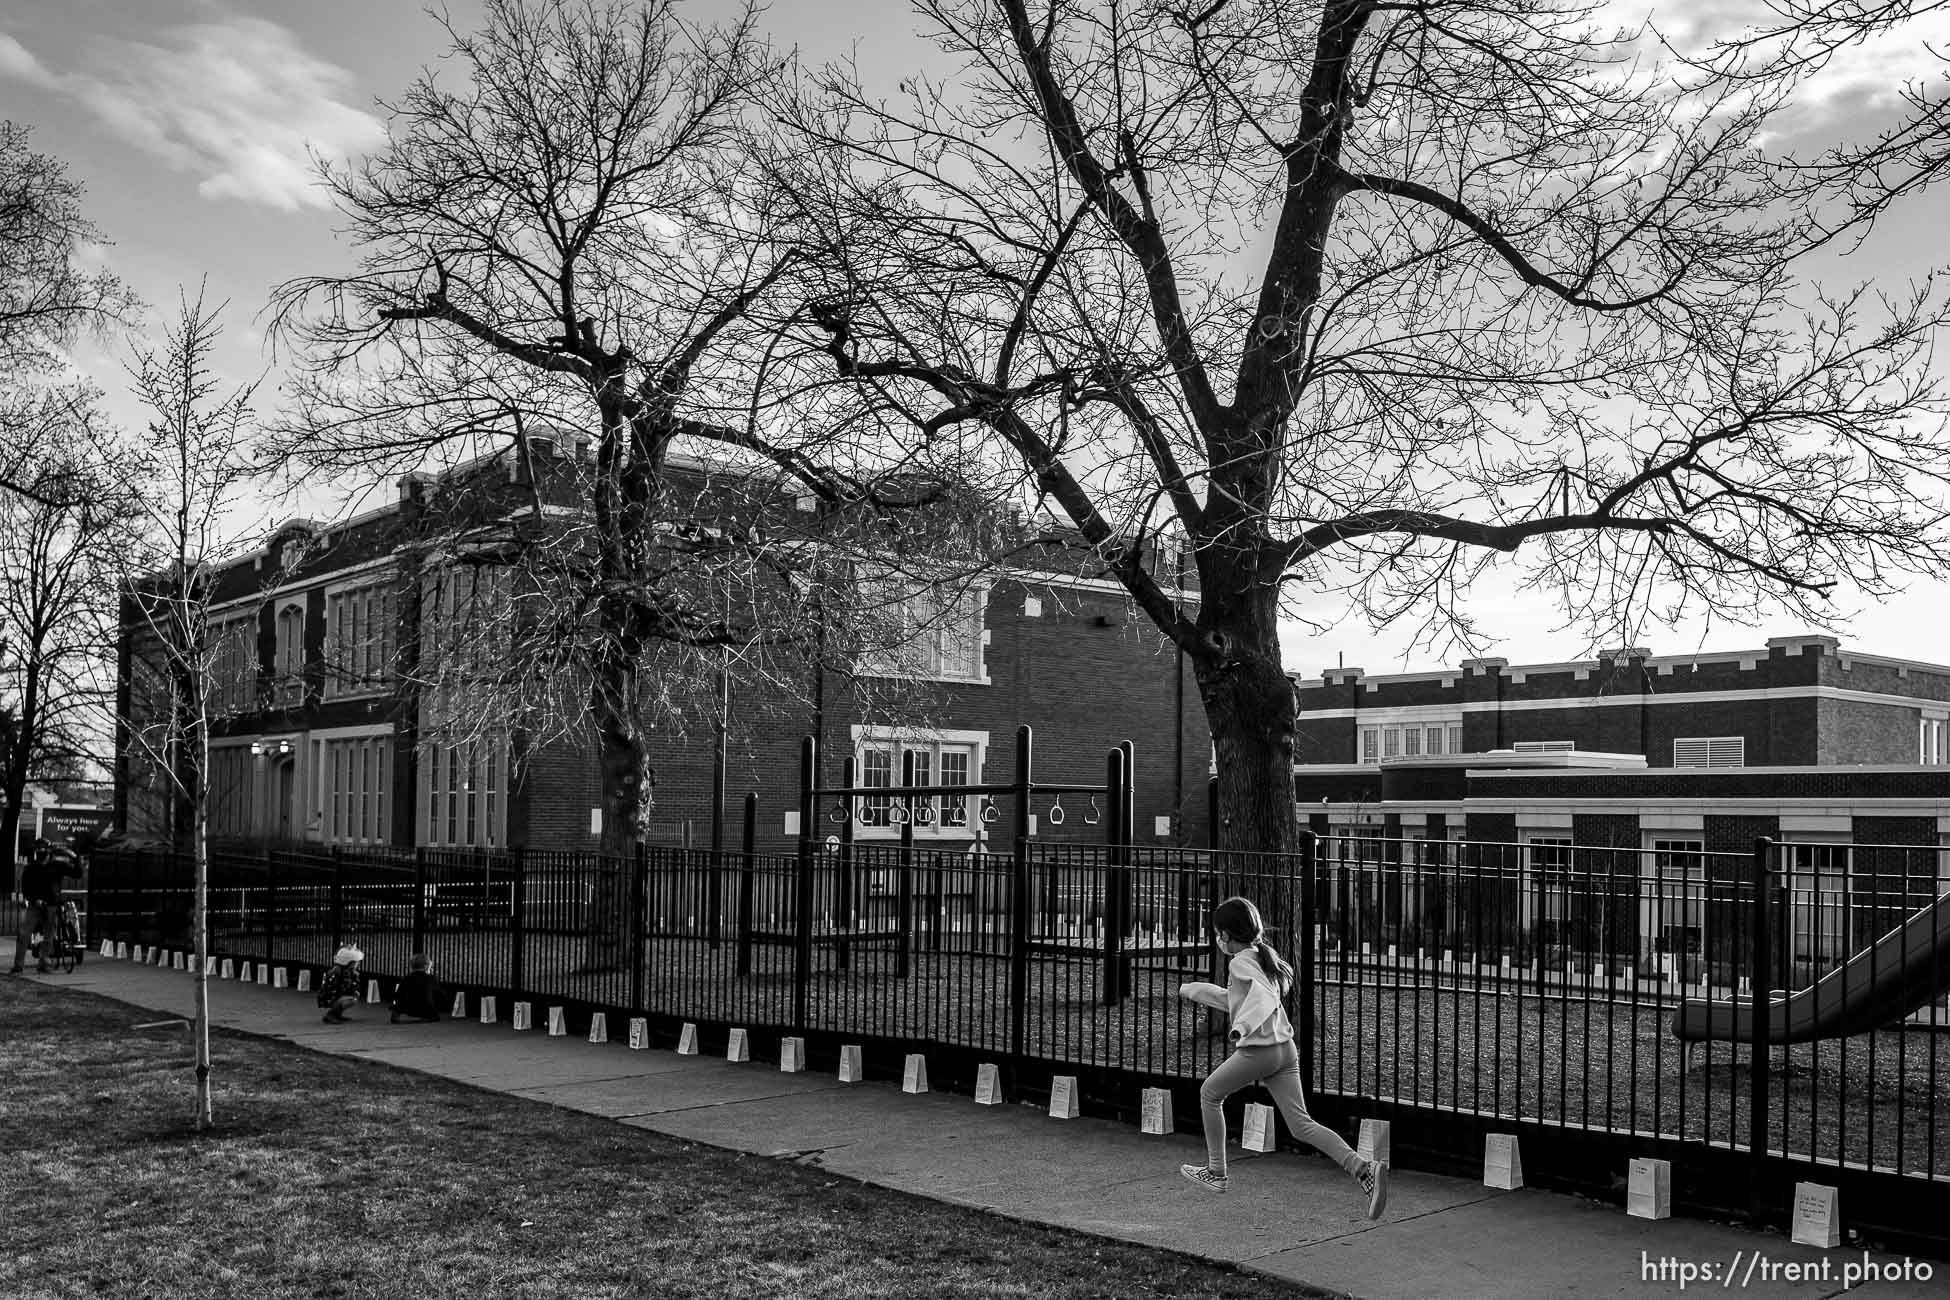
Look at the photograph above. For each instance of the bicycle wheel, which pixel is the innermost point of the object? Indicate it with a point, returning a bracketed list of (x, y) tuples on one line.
[(60, 956)]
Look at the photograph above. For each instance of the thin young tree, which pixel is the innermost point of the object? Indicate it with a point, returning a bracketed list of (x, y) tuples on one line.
[(558, 240), (196, 463), (1355, 301)]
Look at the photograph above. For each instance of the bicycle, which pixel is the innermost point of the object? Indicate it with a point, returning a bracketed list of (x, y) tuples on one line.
[(61, 949)]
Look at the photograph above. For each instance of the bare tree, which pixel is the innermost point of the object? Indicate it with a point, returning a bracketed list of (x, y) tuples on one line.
[(1353, 300), (47, 292), (558, 240), (196, 459), (61, 539)]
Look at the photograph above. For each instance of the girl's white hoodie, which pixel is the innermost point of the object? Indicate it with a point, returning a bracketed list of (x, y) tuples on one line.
[(1251, 999)]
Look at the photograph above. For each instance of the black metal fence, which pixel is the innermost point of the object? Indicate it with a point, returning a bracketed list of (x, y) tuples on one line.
[(1454, 988)]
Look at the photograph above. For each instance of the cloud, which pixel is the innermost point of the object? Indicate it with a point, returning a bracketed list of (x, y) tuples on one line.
[(1864, 75), (17, 62), (235, 102)]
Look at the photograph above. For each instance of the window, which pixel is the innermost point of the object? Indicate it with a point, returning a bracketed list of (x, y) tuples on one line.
[(1675, 902), (1545, 746), (1679, 859), (1818, 902), (358, 639), (1407, 738), (466, 612), (461, 793), (1549, 853), (926, 630), (354, 775), (232, 776), (1549, 857), (232, 678), (1933, 735), (290, 683), (1709, 751), (950, 758)]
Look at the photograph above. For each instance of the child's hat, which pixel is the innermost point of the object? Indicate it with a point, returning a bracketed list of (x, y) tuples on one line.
[(347, 955)]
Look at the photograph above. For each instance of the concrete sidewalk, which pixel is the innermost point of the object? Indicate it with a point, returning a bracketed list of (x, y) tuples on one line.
[(1291, 1217)]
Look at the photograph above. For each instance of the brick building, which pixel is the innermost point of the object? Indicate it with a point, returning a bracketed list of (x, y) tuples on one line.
[(318, 735), (1657, 773)]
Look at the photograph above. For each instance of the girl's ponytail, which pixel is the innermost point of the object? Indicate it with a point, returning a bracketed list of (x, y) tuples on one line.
[(1275, 965), (1240, 919)]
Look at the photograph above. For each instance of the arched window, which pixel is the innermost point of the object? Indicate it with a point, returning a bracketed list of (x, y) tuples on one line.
[(291, 654)]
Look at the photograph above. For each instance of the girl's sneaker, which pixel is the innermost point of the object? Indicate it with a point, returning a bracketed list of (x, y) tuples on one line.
[(1205, 1177), (1374, 1183)]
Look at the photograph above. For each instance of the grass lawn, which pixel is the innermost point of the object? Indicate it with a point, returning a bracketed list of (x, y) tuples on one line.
[(328, 1177)]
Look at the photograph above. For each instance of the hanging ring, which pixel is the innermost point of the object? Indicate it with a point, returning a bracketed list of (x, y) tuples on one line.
[(1056, 813), (838, 815), (990, 812), (924, 815), (896, 815), (1094, 815)]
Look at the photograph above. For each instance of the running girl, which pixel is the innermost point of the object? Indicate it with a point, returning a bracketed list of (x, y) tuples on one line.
[(1262, 1052)]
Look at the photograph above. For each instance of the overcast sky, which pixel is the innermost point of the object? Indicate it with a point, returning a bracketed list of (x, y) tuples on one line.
[(189, 122)]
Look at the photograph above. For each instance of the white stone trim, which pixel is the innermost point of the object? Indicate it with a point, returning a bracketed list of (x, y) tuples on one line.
[(1653, 701), (1816, 824), (1543, 819)]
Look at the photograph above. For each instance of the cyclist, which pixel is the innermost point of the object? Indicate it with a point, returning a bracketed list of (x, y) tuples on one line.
[(40, 889)]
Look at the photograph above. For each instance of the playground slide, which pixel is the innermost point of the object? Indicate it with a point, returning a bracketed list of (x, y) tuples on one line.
[(1907, 968)]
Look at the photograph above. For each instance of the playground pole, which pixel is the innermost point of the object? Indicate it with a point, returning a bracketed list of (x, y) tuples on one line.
[(1761, 990)]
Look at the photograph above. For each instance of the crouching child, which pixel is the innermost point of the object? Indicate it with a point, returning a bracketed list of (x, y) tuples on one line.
[(339, 990)]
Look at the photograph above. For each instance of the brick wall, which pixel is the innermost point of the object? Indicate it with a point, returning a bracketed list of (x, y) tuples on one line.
[(1855, 731), (1083, 672)]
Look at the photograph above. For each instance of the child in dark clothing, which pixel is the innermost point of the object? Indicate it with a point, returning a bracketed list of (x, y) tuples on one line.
[(419, 995)]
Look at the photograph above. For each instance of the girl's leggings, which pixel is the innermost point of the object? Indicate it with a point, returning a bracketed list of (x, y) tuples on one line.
[(1277, 1066)]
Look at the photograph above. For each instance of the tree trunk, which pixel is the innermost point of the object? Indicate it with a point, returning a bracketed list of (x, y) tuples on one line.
[(200, 928), (1250, 710), (622, 767), (14, 769)]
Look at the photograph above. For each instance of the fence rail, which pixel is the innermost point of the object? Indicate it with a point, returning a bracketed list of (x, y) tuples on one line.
[(1455, 987)]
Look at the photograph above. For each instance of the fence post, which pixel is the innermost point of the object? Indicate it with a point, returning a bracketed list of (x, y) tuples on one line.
[(338, 899), (270, 904), (1113, 978), (904, 896), (639, 906), (1019, 912), (1127, 867), (1761, 983), (419, 899), (1307, 954), (802, 929), (843, 901), (747, 866), (517, 924)]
